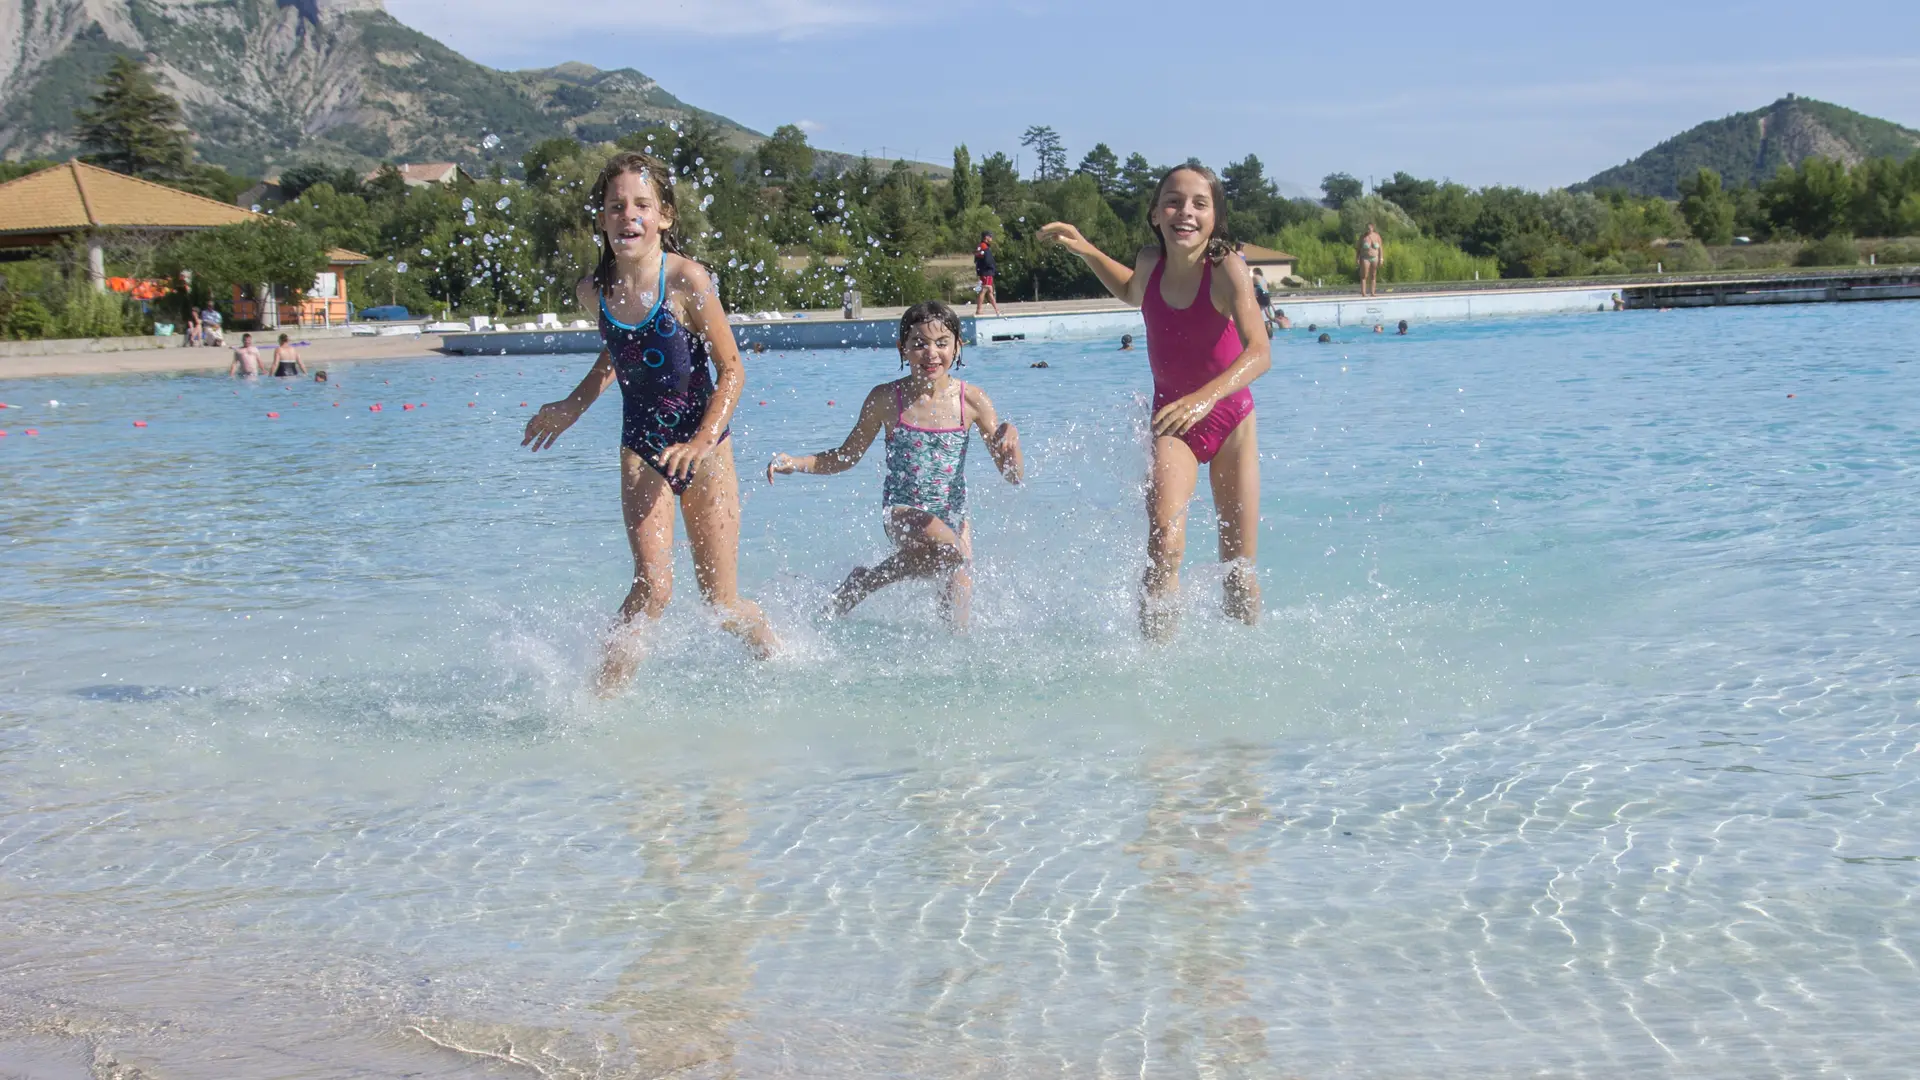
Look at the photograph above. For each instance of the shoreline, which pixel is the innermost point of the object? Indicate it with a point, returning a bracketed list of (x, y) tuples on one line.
[(316, 355)]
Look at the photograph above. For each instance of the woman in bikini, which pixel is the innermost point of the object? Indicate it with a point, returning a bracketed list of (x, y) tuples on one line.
[(1206, 343), (1369, 253)]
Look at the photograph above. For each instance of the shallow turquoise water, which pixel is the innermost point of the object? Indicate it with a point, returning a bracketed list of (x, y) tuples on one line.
[(1578, 740)]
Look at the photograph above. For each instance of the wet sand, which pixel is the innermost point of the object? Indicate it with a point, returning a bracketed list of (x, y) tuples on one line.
[(147, 361)]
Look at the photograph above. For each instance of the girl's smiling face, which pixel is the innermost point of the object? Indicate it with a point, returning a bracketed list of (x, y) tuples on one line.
[(930, 349), (632, 216), (1185, 213)]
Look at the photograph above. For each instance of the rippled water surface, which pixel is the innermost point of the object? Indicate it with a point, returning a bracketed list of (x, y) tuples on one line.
[(1578, 741)]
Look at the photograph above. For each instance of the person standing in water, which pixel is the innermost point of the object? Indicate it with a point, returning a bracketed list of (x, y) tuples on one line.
[(984, 268), (1206, 342), (661, 323), (1370, 252), (286, 360), (928, 418), (246, 358)]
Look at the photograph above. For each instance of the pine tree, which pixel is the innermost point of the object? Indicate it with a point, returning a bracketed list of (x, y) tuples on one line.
[(966, 182), (1103, 165), (134, 126), (1050, 157)]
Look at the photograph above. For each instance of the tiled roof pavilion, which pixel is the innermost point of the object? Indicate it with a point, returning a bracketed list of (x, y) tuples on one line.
[(47, 206)]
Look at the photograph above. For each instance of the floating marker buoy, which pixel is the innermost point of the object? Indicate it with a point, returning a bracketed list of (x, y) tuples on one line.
[(32, 431), (421, 405), (336, 404), (763, 403), (1789, 395), (373, 408), (829, 404), (471, 404), (4, 405), (406, 408), (3, 434), (273, 416), (139, 423), (523, 404)]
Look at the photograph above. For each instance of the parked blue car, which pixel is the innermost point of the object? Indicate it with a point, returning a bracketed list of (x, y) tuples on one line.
[(385, 313)]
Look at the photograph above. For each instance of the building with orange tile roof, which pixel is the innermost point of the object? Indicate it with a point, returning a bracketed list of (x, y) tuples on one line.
[(77, 199)]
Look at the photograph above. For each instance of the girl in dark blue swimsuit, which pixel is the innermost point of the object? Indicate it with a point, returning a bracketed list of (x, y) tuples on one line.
[(659, 345)]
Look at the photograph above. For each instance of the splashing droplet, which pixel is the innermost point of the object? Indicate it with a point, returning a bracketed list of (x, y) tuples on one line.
[(490, 142), (502, 203), (402, 268), (466, 204)]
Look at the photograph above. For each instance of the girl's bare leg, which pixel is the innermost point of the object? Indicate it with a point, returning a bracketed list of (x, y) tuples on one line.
[(1235, 476), (958, 599), (924, 546), (1170, 483), (711, 507), (647, 504)]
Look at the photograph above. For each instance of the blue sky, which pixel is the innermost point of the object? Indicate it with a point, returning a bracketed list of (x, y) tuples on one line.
[(1536, 94)]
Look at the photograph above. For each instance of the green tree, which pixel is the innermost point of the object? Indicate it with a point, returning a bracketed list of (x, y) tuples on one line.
[(1408, 192), (785, 158), (1049, 155), (133, 126), (1812, 200), (1250, 198), (1339, 187), (1103, 165), (1707, 208), (999, 184), (278, 255), (965, 186), (1881, 186), (298, 178)]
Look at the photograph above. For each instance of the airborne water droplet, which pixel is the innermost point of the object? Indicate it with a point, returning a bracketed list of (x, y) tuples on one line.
[(490, 142), (469, 217), (502, 203), (402, 267), (466, 204)]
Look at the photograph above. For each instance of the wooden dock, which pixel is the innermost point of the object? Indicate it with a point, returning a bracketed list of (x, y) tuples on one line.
[(1804, 287)]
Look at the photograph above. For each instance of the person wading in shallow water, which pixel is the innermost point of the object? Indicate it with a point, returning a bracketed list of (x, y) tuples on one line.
[(661, 321), (1206, 342)]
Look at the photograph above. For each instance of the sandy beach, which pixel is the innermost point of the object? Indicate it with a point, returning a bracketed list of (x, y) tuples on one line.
[(146, 361)]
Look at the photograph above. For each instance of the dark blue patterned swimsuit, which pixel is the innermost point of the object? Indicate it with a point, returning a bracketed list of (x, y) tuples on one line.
[(665, 382)]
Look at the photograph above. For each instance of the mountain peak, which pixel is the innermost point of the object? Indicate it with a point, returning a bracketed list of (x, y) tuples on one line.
[(1747, 148)]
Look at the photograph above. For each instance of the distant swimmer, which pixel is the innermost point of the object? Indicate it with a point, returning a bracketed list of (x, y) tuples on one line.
[(1039, 364), (1326, 339), (1280, 320), (1619, 304), (1378, 329), (662, 325), (1126, 342), (246, 358), (1403, 328), (1370, 251), (286, 360), (928, 418), (1206, 344), (320, 376)]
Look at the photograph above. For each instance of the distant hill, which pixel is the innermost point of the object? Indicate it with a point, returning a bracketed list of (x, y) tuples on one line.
[(1750, 147), (266, 83)]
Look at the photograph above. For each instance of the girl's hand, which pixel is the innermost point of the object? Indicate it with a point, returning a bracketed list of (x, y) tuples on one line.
[(1067, 236), (1006, 451), (781, 463), (1176, 418), (553, 418), (679, 459)]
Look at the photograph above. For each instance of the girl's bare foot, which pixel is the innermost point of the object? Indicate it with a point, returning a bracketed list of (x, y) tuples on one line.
[(850, 593), (625, 650)]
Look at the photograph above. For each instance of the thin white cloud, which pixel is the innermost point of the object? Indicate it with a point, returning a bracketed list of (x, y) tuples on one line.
[(474, 20), (811, 127)]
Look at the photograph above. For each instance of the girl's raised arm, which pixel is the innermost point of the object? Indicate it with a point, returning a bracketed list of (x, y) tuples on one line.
[(1124, 282), (1001, 437), (866, 427), (557, 416), (705, 316)]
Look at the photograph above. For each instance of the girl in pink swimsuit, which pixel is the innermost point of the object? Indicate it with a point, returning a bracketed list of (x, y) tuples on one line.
[(1206, 341)]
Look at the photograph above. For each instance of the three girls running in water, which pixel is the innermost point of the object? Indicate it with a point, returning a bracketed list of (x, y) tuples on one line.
[(662, 325)]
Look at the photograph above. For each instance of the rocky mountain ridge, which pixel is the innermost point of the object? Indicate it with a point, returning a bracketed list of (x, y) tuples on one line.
[(1747, 148), (264, 83)]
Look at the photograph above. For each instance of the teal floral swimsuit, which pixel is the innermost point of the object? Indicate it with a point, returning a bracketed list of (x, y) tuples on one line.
[(926, 467)]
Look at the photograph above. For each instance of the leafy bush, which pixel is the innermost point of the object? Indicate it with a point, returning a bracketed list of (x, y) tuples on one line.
[(25, 318), (1835, 250)]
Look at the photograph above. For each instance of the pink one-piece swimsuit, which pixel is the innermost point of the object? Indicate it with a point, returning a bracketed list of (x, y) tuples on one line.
[(1188, 348)]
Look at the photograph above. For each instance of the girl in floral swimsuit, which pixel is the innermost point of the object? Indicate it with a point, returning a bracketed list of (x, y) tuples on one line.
[(928, 418)]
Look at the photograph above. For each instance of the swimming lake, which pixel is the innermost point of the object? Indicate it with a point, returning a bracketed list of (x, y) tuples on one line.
[(1578, 740)]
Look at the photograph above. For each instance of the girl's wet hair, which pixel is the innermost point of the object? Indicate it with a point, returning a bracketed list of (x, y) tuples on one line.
[(1220, 243), (930, 311), (654, 171)]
